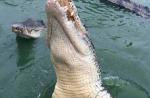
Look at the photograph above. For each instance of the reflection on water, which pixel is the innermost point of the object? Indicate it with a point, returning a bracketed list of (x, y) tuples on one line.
[(47, 92), (117, 86), (25, 52), (10, 3)]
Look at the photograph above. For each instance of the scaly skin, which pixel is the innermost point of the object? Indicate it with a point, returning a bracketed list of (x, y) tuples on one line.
[(141, 10), (72, 53), (29, 28)]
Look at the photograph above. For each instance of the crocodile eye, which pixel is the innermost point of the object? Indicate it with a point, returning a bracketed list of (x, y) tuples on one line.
[(17, 28)]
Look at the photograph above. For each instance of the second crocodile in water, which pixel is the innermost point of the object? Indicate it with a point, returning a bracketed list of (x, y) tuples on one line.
[(29, 29)]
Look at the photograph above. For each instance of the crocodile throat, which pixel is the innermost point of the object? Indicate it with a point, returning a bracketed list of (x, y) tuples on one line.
[(72, 53)]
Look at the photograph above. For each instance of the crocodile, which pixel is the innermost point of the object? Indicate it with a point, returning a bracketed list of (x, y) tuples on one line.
[(72, 53), (138, 8), (29, 28)]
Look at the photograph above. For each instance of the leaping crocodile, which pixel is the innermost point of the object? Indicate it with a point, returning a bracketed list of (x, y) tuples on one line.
[(72, 53), (139, 9)]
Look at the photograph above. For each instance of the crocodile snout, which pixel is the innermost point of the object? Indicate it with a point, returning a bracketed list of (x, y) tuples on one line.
[(17, 28)]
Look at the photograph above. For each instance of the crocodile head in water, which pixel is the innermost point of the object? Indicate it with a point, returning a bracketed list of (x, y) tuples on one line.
[(72, 53), (29, 28)]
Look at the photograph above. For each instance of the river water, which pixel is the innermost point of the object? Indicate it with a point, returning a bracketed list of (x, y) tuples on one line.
[(122, 45)]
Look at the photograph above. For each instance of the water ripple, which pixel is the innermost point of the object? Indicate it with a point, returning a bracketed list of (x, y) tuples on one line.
[(118, 85)]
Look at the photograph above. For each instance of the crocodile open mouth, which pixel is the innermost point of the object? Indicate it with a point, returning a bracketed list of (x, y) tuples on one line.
[(65, 12), (65, 9)]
